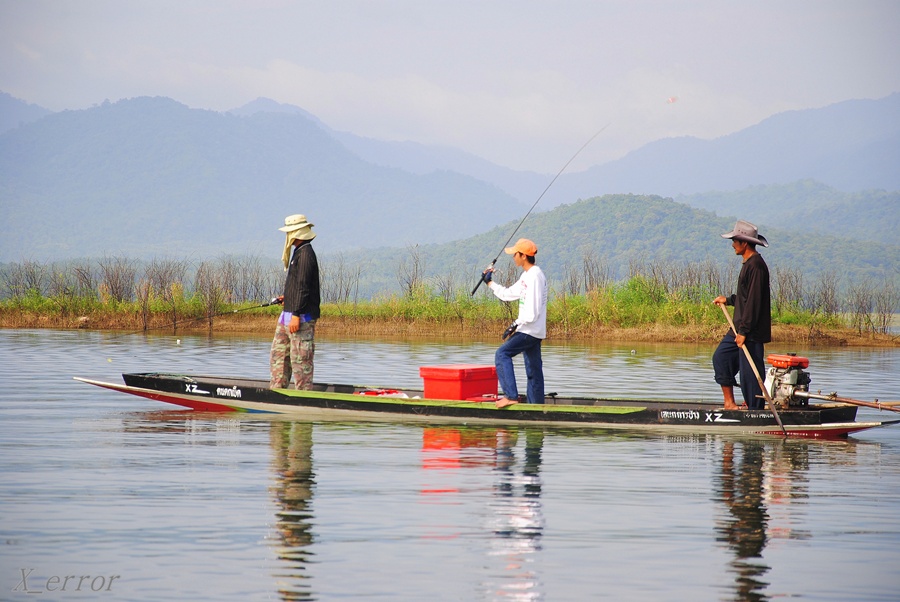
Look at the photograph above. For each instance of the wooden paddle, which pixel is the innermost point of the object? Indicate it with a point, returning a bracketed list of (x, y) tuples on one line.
[(762, 385)]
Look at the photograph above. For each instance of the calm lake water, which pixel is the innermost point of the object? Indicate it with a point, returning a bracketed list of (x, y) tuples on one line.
[(128, 499)]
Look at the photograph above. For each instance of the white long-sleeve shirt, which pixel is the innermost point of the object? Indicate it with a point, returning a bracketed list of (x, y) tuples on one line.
[(531, 292)]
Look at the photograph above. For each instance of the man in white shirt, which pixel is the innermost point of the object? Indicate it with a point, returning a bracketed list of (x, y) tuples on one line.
[(530, 328)]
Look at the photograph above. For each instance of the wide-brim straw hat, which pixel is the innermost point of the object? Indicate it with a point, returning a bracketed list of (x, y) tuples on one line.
[(747, 232)]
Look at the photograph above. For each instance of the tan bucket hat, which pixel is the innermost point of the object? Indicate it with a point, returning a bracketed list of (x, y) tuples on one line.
[(295, 222), (747, 232), (296, 227)]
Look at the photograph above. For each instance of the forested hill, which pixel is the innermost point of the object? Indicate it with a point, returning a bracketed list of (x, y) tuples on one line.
[(15, 113), (150, 176), (622, 231), (811, 207)]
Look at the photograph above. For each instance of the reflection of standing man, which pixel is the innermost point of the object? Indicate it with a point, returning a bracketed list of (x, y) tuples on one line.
[(292, 490), (529, 329), (745, 527), (752, 320), (294, 344), (517, 518)]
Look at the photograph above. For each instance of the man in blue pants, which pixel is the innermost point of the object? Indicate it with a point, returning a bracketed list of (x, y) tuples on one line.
[(752, 320), (530, 328)]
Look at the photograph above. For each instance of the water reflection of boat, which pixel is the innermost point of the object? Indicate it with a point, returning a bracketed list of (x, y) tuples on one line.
[(760, 485), (514, 515), (343, 402)]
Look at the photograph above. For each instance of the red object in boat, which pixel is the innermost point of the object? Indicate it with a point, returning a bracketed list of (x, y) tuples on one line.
[(458, 381), (787, 361)]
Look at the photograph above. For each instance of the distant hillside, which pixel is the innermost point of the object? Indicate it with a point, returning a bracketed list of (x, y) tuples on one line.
[(810, 207), (423, 159), (417, 158), (621, 230), (150, 176), (267, 105), (851, 146), (15, 112)]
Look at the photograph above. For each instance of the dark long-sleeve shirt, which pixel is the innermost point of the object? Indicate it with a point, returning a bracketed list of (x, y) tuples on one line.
[(752, 302), (301, 287)]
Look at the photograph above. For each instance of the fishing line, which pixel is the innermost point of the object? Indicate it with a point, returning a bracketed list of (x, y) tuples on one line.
[(559, 173), (190, 320), (174, 323)]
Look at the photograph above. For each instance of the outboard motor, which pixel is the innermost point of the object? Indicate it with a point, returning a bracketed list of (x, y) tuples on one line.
[(785, 378)]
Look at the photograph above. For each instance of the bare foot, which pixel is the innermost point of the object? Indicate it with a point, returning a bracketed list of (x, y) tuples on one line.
[(731, 407), (504, 402)]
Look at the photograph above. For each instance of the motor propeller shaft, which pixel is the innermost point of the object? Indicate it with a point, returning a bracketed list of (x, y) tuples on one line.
[(834, 397)]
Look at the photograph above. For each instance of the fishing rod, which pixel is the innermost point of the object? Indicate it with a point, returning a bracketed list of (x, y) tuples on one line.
[(273, 301), (559, 173)]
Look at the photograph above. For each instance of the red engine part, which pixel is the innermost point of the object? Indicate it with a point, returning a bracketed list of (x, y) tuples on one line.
[(787, 361)]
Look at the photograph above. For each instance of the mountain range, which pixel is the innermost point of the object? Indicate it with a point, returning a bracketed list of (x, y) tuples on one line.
[(149, 177), (621, 233), (850, 146)]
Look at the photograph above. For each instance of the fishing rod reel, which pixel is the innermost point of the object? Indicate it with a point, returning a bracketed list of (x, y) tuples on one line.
[(787, 382)]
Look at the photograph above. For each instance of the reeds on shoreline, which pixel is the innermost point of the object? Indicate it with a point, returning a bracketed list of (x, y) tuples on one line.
[(656, 303), (390, 320)]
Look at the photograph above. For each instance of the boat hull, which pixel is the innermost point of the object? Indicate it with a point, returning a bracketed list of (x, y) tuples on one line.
[(347, 402)]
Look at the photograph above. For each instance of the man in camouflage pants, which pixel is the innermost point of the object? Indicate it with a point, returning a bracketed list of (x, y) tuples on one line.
[(294, 344)]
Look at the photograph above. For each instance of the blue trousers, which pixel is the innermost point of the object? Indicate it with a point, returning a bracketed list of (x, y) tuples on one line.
[(530, 348), (729, 360)]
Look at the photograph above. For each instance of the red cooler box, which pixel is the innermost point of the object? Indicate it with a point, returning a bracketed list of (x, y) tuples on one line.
[(458, 381)]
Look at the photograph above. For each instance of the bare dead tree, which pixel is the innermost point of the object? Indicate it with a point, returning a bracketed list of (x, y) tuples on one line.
[(117, 276), (635, 267), (595, 272), (788, 289), (85, 280), (823, 298), (860, 301), (59, 283), (724, 278), (410, 271), (228, 273), (166, 277), (885, 303), (144, 292), (571, 281), (446, 285), (13, 282), (208, 284), (339, 281), (661, 277), (252, 285)]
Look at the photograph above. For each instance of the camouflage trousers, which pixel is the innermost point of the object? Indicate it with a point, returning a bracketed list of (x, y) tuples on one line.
[(292, 354)]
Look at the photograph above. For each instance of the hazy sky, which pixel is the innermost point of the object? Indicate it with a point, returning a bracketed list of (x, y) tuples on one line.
[(522, 83)]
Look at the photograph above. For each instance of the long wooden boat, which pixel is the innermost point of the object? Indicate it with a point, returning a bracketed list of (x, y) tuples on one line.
[(351, 402)]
